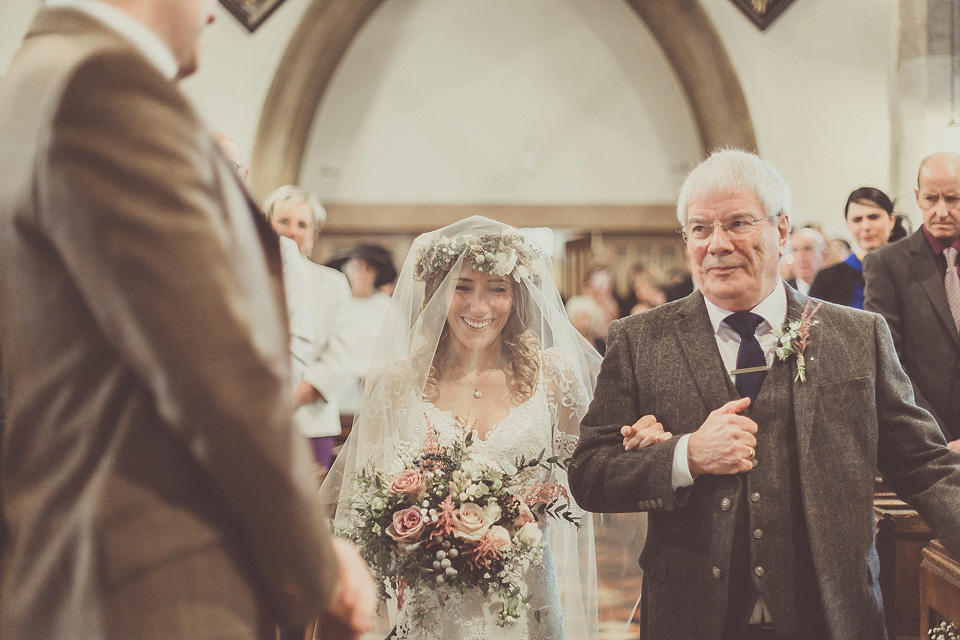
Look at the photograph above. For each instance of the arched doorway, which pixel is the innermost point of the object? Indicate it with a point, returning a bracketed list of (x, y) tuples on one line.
[(681, 27)]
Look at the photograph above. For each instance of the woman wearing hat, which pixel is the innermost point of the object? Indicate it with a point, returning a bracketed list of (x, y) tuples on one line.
[(368, 267)]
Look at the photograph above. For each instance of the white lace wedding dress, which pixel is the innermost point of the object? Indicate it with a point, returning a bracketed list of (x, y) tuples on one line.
[(528, 429)]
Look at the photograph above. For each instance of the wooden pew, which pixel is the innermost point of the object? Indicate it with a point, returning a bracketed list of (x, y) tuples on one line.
[(939, 588)]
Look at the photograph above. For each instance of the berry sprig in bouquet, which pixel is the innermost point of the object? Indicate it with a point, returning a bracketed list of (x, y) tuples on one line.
[(455, 519)]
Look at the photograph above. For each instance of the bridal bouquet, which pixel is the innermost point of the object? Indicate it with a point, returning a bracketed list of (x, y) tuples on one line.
[(453, 518)]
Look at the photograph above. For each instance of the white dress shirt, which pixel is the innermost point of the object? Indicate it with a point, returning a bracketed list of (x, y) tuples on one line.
[(773, 310), (139, 35)]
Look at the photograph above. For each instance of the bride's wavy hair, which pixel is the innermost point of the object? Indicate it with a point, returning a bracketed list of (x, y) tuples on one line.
[(521, 346)]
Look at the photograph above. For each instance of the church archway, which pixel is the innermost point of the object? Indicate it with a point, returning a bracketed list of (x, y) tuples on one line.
[(681, 27)]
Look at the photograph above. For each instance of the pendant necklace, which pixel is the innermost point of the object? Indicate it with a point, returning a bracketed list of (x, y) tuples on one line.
[(476, 387)]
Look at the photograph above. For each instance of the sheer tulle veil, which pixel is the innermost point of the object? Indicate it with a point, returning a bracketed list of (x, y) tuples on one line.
[(546, 350)]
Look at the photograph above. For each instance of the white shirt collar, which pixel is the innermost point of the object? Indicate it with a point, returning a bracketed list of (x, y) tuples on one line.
[(152, 47), (773, 309)]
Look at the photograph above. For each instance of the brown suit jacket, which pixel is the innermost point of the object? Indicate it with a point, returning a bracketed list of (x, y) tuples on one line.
[(854, 413), (151, 481), (904, 285)]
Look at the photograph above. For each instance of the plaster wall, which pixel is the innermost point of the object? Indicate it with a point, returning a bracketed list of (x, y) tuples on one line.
[(587, 110)]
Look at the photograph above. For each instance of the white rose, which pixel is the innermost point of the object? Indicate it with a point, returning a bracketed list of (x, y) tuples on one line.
[(529, 534), (493, 510)]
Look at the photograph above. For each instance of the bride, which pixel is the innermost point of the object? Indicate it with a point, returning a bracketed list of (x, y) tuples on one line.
[(477, 338)]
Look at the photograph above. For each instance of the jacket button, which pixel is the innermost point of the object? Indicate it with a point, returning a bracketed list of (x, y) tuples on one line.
[(660, 502), (757, 533), (754, 497), (758, 571), (716, 572), (725, 504)]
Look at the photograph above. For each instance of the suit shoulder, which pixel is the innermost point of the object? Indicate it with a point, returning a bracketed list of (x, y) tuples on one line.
[(889, 252), (657, 316), (842, 315)]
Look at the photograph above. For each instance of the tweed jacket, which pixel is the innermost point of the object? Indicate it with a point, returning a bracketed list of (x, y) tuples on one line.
[(904, 285), (152, 482), (854, 413)]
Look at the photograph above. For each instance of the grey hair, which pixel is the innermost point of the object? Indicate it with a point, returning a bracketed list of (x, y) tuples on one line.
[(735, 169), (296, 195), (812, 234)]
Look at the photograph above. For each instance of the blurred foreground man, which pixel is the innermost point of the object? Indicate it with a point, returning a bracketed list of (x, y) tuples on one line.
[(915, 285), (151, 484)]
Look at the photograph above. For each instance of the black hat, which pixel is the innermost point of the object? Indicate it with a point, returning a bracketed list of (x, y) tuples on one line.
[(372, 253)]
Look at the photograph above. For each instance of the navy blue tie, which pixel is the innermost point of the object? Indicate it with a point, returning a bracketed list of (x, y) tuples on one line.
[(745, 323)]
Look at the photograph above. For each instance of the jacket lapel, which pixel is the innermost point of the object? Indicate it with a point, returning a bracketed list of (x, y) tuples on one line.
[(926, 272), (699, 346), (804, 393)]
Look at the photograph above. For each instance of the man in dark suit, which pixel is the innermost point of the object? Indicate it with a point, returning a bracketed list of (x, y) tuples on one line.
[(906, 283), (153, 483), (761, 503)]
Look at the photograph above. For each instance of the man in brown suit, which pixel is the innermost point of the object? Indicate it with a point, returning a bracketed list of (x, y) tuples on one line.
[(152, 484), (761, 503)]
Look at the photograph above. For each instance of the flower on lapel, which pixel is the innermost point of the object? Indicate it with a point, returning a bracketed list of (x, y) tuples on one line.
[(794, 336)]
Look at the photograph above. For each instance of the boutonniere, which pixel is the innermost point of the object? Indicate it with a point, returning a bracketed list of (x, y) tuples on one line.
[(794, 336)]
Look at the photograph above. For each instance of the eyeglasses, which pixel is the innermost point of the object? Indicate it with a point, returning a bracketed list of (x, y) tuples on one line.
[(733, 228)]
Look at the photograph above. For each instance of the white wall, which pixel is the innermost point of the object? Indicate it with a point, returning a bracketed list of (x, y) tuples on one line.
[(819, 82), (454, 100), (541, 101)]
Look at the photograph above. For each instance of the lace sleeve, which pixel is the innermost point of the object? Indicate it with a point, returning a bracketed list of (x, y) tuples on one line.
[(568, 400)]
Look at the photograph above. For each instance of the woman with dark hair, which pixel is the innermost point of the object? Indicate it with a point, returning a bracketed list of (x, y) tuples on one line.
[(476, 340), (870, 219)]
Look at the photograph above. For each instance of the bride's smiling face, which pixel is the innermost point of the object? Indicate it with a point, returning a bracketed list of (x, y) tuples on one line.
[(479, 308)]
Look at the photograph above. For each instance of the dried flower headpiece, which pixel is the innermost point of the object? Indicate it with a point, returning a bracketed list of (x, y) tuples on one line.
[(493, 254)]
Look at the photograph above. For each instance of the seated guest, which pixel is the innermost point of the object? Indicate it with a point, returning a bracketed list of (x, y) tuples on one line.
[(598, 286), (645, 292), (870, 219), (807, 247), (297, 215), (367, 267), (587, 318)]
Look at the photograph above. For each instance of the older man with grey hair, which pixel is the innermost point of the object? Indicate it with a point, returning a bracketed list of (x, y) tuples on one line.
[(807, 248), (759, 486), (299, 216)]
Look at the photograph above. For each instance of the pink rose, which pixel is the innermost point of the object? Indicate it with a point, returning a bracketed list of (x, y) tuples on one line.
[(470, 522), (525, 516), (499, 537), (409, 482), (408, 526)]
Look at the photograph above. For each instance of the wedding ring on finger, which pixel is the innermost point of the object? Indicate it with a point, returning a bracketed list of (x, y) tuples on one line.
[(750, 453)]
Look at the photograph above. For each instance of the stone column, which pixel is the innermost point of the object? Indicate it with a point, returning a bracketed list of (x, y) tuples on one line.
[(923, 104)]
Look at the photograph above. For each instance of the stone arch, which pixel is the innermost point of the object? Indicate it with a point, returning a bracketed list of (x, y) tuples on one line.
[(681, 27)]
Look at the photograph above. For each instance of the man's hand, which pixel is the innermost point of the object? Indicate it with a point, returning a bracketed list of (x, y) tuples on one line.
[(351, 612), (954, 444), (724, 443), (643, 433)]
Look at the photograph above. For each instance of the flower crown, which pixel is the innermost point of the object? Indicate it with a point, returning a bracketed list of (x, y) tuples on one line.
[(493, 254)]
